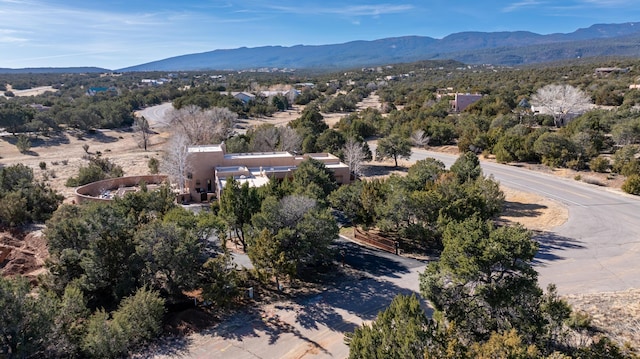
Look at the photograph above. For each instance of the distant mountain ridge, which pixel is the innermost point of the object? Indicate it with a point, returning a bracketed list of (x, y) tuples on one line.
[(53, 70), (500, 48)]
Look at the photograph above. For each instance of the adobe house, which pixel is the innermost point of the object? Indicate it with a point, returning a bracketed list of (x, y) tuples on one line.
[(210, 167), (462, 101)]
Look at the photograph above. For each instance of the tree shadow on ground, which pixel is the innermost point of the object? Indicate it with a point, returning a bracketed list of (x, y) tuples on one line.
[(356, 293), (335, 308), (373, 170), (100, 136), (253, 322), (518, 209), (551, 245), (357, 296), (374, 262), (50, 140)]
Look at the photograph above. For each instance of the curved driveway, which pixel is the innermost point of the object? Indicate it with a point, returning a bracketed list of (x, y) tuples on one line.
[(597, 249)]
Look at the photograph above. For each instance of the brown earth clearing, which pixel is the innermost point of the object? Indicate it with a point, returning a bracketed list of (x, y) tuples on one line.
[(24, 252)]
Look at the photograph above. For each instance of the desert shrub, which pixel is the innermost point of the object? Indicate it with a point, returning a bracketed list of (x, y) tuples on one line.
[(624, 158), (599, 164), (91, 173), (43, 165), (632, 184), (555, 150), (631, 168), (23, 144), (153, 165), (23, 199), (98, 169), (576, 164), (13, 210)]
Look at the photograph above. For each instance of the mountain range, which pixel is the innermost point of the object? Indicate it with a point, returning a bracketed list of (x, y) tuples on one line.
[(498, 48)]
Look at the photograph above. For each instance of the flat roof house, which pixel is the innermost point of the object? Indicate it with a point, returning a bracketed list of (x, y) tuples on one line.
[(210, 167), (462, 101)]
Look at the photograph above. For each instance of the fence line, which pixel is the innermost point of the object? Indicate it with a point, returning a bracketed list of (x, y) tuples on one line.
[(376, 240)]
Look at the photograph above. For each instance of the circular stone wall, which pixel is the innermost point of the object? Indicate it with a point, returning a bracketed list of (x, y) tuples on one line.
[(105, 190)]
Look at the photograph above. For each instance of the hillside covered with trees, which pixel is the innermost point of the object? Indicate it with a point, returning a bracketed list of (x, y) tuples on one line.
[(117, 270)]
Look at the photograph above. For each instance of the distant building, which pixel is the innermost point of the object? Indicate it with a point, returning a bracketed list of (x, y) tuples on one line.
[(305, 85), (92, 91), (40, 108), (210, 168), (462, 101), (610, 70), (154, 82), (245, 97)]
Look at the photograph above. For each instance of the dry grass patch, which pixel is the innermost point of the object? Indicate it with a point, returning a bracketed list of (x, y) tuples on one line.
[(535, 212), (615, 313)]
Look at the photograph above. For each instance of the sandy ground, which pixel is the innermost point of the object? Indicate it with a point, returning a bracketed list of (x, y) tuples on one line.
[(30, 92), (63, 155)]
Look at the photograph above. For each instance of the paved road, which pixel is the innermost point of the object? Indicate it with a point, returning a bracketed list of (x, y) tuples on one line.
[(597, 249), (156, 115)]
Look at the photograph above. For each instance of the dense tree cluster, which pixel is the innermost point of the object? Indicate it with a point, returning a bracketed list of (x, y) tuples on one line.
[(24, 199), (112, 268), (285, 227), (416, 208)]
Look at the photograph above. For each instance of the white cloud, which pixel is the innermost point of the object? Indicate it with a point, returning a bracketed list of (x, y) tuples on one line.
[(522, 4), (610, 3), (354, 10)]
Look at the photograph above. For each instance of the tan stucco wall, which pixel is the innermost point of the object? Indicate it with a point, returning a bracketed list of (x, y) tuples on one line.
[(202, 165)]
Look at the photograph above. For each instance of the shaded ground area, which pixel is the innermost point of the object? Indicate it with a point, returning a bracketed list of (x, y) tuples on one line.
[(304, 325), (532, 211)]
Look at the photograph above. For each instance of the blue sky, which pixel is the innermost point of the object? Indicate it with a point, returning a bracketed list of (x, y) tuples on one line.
[(117, 34)]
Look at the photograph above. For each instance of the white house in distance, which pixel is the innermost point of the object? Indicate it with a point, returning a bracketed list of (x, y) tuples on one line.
[(210, 167), (245, 97)]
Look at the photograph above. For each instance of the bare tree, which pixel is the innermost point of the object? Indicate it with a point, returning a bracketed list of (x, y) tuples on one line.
[(175, 164), (419, 138), (224, 120), (354, 156), (561, 101), (290, 140), (141, 126), (264, 138), (293, 208), (203, 126)]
